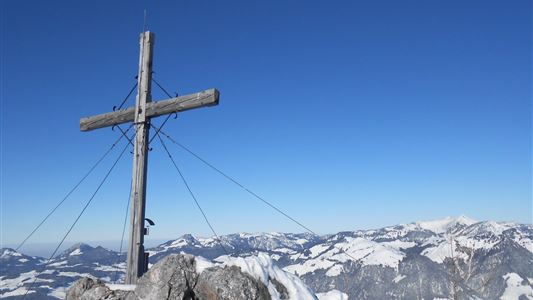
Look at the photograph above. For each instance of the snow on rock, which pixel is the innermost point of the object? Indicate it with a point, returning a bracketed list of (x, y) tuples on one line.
[(178, 243), (491, 232), (398, 278), (121, 287), (59, 263), (318, 249), (275, 256), (515, 289), (443, 225), (495, 227), (442, 251), (9, 252), (10, 283), (21, 291), (76, 251), (75, 274), (119, 267), (60, 293), (335, 271), (332, 295), (441, 247), (262, 268), (231, 277), (524, 242), (202, 264)]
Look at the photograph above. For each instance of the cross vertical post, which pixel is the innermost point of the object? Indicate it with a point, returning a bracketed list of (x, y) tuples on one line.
[(136, 263), (141, 115)]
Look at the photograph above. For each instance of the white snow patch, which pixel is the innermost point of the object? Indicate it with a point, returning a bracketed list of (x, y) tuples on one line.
[(112, 268), (23, 260), (178, 243), (121, 287), (301, 241), (368, 252), (202, 264), (398, 278), (262, 268), (524, 242), (74, 274), (207, 242), (441, 226), (309, 266), (57, 264), (514, 288), (59, 293), (440, 252), (334, 271), (399, 245), (77, 251), (355, 249), (18, 292), (298, 256), (12, 283), (43, 280), (318, 249), (332, 295), (473, 243), (285, 250)]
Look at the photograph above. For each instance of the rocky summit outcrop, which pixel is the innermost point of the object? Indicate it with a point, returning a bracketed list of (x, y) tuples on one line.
[(89, 289), (182, 276)]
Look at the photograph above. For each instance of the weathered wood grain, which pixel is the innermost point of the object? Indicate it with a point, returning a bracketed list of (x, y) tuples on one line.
[(135, 263), (153, 109)]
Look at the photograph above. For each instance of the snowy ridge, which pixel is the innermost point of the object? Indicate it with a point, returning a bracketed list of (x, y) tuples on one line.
[(7, 252), (352, 249), (446, 224), (392, 261)]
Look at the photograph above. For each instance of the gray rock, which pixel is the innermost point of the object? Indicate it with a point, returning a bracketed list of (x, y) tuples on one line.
[(175, 277), (89, 289), (168, 279), (230, 283)]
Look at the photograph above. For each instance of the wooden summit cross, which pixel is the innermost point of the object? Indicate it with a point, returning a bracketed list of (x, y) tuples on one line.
[(140, 115)]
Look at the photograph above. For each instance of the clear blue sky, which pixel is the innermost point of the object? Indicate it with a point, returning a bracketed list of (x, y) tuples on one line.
[(346, 114)]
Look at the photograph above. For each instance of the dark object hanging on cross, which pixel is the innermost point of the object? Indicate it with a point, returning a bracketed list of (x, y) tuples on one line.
[(140, 115)]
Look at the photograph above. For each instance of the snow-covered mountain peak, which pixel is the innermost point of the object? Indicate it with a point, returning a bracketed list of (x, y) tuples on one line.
[(496, 228), (8, 252), (446, 224), (76, 249)]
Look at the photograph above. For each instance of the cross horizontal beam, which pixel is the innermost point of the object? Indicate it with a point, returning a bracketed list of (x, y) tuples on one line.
[(153, 109)]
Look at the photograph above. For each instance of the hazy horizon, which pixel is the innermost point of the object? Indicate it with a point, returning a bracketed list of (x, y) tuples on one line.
[(44, 249)]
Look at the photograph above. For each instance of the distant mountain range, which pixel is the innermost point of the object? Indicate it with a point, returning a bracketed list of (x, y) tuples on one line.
[(449, 258)]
